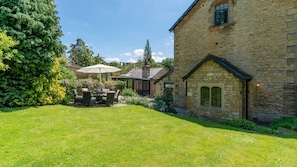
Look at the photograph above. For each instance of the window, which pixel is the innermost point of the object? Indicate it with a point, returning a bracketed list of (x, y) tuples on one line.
[(216, 96), (211, 97), (168, 85), (205, 96), (221, 14)]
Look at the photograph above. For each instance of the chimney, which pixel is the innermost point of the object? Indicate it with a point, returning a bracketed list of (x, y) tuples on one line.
[(146, 70)]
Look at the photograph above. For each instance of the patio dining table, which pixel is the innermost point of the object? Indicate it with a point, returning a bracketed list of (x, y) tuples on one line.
[(99, 94)]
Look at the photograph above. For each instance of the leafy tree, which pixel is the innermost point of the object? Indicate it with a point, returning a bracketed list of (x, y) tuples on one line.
[(115, 64), (99, 60), (6, 50), (168, 63), (80, 54), (35, 25)]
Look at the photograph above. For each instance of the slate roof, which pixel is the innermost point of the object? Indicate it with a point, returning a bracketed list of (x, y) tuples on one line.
[(183, 15), (223, 63), (164, 76), (136, 73)]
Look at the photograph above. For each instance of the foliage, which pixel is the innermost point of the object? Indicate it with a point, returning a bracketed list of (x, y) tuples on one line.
[(129, 92), (137, 100), (6, 49), (240, 123), (68, 80), (286, 122), (168, 64), (81, 54), (35, 25), (248, 125), (163, 103), (131, 136), (121, 85), (99, 60), (147, 55), (115, 64)]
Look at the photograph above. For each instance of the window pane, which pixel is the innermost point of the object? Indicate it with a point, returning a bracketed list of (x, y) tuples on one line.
[(221, 14), (205, 96), (216, 96), (225, 6)]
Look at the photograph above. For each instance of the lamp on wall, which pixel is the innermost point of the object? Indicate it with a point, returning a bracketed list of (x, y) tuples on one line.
[(258, 84)]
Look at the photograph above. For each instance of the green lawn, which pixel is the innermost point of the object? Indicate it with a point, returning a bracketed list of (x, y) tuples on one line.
[(131, 136)]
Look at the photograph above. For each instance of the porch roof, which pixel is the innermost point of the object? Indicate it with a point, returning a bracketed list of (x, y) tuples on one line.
[(223, 63)]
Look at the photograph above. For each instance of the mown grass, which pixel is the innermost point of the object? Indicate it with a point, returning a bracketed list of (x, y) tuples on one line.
[(131, 136)]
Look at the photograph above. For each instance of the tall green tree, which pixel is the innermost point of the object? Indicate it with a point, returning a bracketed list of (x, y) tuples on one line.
[(6, 50), (147, 55), (35, 25), (81, 54)]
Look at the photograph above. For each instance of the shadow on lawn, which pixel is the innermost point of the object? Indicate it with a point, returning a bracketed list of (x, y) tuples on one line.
[(14, 109), (283, 133)]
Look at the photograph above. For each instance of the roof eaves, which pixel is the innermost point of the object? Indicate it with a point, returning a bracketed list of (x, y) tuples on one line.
[(223, 63), (183, 15), (163, 76)]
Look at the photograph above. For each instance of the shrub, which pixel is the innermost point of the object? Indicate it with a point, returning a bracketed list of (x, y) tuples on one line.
[(249, 125), (240, 123), (286, 122), (136, 100), (129, 92), (163, 103), (121, 85)]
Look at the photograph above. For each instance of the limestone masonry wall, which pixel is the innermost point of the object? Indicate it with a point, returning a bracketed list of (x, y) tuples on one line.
[(260, 38)]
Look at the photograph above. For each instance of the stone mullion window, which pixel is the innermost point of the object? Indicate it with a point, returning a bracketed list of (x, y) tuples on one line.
[(205, 96), (216, 97), (211, 97)]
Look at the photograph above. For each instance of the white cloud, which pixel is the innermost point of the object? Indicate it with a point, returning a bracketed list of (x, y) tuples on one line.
[(158, 58), (127, 54), (68, 33), (138, 52), (131, 61), (112, 60), (157, 53), (170, 41)]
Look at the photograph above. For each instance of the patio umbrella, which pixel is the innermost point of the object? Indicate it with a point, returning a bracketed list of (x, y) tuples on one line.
[(98, 69)]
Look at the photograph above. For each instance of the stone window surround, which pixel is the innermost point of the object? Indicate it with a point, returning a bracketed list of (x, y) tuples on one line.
[(211, 85), (212, 11)]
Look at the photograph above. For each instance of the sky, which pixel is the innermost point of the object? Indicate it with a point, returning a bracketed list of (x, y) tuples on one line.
[(119, 29)]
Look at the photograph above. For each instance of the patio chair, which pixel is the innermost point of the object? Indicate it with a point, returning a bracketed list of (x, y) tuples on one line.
[(88, 100), (109, 99), (116, 96), (77, 97)]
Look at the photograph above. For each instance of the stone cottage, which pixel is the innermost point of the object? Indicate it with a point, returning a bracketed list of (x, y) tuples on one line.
[(237, 59), (142, 80)]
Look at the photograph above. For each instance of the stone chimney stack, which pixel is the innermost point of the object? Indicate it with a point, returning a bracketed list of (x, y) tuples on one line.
[(146, 70)]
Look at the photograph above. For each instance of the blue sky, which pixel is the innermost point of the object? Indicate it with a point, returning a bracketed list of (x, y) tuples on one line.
[(118, 29)]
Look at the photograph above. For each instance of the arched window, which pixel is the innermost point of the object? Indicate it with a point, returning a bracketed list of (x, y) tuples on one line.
[(205, 94), (216, 97), (221, 14)]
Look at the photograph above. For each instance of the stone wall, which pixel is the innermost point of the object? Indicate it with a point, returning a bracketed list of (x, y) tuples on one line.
[(153, 87), (260, 38), (212, 75)]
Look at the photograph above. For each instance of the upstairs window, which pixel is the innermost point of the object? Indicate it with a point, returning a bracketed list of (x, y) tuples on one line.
[(221, 14)]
